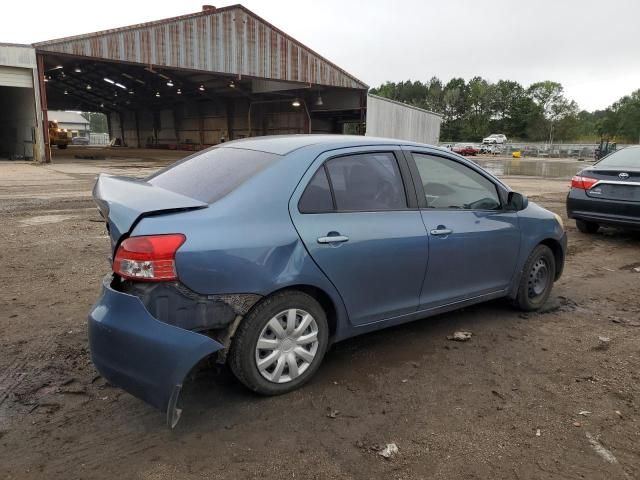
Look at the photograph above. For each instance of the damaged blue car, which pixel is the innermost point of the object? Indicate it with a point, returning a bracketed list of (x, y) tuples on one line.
[(261, 252)]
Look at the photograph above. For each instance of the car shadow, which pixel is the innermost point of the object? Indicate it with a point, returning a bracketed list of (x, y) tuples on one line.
[(214, 399)]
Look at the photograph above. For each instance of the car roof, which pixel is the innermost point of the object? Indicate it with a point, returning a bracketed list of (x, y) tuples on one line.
[(285, 144)]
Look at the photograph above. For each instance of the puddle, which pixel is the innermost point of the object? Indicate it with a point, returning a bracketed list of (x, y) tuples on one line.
[(44, 219), (547, 168)]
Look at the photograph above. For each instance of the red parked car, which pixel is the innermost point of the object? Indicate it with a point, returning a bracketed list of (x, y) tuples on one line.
[(465, 149)]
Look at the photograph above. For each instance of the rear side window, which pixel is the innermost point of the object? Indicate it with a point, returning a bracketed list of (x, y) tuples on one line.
[(367, 182), (210, 175), (450, 184), (317, 196)]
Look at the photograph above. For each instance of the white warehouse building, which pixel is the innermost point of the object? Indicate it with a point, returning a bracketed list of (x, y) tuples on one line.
[(391, 119)]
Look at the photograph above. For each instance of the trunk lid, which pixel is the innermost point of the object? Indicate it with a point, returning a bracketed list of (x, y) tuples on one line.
[(122, 201), (615, 183)]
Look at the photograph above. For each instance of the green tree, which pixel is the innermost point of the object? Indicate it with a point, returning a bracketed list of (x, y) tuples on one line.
[(552, 104)]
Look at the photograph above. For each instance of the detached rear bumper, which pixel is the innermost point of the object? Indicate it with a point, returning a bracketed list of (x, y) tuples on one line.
[(140, 354)]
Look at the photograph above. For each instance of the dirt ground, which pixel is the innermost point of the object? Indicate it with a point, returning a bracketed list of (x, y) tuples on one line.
[(534, 396)]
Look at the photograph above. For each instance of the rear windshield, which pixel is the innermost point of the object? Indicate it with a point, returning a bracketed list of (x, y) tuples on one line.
[(627, 157), (210, 175)]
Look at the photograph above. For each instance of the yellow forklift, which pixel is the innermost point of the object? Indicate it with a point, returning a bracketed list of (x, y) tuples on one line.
[(58, 136)]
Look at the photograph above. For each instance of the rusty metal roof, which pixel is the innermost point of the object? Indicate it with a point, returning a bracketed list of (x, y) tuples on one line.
[(230, 40)]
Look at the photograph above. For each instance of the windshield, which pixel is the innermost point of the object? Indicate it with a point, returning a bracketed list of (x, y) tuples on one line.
[(210, 175), (627, 157)]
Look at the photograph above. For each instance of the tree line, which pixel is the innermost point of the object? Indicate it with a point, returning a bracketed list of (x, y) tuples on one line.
[(541, 112)]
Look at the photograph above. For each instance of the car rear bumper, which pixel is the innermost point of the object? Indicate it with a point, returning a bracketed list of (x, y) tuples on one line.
[(136, 352), (602, 211)]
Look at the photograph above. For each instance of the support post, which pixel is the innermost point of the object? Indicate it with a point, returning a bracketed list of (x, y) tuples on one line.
[(138, 128), (201, 125), (230, 118), (120, 117), (43, 106)]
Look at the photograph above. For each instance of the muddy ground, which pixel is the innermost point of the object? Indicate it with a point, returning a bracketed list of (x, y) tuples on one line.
[(506, 404)]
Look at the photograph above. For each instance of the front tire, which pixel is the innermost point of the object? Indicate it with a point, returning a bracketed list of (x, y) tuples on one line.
[(537, 279), (280, 344), (587, 227)]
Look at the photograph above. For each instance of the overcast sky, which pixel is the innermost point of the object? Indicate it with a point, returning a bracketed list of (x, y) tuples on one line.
[(591, 46)]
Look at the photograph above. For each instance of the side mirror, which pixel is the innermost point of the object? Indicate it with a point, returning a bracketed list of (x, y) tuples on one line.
[(517, 201)]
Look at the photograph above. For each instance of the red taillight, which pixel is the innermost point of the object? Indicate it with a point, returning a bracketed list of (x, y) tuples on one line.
[(583, 183), (148, 258)]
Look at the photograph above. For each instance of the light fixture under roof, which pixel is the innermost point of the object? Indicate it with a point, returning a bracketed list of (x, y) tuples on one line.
[(319, 101), (66, 92), (179, 92), (157, 94), (295, 103), (77, 70), (130, 92), (119, 85), (89, 87), (102, 105), (169, 83), (201, 88), (108, 80), (232, 84)]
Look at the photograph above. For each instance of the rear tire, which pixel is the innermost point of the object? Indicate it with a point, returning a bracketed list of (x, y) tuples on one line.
[(290, 355), (587, 227), (537, 279)]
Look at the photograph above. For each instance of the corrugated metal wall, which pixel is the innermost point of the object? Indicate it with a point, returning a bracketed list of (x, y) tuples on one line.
[(386, 118), (230, 40)]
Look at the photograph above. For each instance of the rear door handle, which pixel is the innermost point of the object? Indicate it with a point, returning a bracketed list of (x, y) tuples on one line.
[(441, 231), (333, 239)]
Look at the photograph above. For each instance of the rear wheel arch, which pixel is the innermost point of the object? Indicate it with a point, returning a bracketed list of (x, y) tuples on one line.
[(322, 297)]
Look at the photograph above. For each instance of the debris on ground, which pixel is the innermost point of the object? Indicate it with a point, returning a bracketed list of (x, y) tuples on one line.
[(538, 433), (600, 450), (332, 413), (389, 451), (460, 336), (584, 413), (603, 343)]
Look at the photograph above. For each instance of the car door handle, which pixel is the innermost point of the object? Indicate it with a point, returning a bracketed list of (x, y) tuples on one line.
[(441, 231), (333, 239)]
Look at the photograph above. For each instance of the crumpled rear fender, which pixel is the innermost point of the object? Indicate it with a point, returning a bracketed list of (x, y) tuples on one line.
[(147, 358)]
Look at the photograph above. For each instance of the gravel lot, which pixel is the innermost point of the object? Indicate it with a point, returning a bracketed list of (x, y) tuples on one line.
[(536, 396)]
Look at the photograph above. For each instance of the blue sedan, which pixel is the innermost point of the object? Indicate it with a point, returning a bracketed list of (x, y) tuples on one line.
[(261, 252)]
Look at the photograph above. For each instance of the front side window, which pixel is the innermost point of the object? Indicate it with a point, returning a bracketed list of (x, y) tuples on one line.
[(367, 182), (450, 184)]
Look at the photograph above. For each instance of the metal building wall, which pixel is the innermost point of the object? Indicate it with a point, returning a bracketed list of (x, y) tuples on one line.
[(230, 40), (23, 57), (390, 119)]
